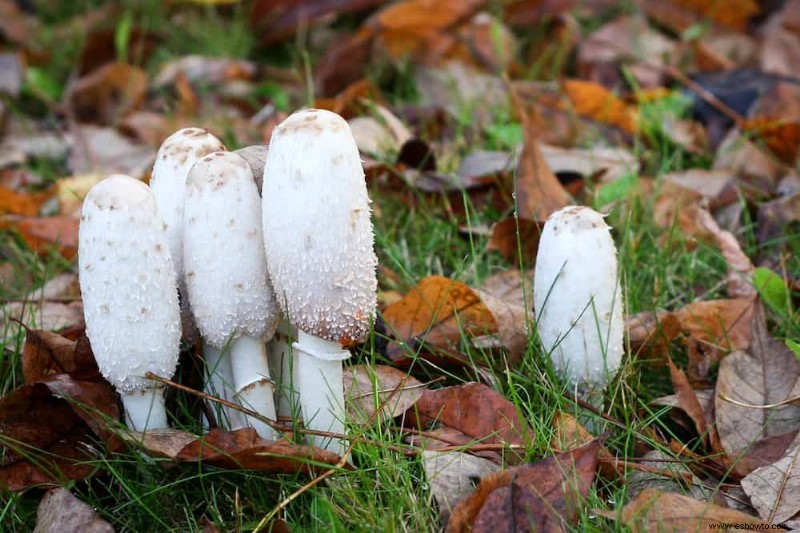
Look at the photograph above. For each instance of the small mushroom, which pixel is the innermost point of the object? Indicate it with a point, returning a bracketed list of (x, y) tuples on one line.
[(577, 299), (319, 245), (226, 275), (130, 295)]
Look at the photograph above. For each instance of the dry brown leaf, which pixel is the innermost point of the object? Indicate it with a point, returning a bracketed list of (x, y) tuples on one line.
[(517, 240), (48, 439), (47, 353), (60, 511), (475, 410), (420, 27), (369, 387), (774, 490), (243, 448), (437, 312), (688, 401), (544, 496), (107, 94), (654, 511), (452, 476), (781, 136), (43, 235), (538, 191), (208, 70), (767, 374), (594, 101)]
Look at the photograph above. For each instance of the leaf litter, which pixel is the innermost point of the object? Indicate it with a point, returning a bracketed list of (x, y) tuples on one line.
[(582, 133)]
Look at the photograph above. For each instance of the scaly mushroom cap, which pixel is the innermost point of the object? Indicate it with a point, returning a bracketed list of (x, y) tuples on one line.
[(175, 157), (577, 297), (317, 227), (223, 247), (127, 279)]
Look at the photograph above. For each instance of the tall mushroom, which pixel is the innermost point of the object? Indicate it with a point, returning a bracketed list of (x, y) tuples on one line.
[(175, 157), (226, 275), (319, 244), (130, 296), (577, 299)]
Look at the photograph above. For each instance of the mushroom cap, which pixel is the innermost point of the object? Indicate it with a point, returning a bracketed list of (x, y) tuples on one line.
[(256, 156), (577, 297), (127, 280), (317, 227), (175, 157), (223, 248)]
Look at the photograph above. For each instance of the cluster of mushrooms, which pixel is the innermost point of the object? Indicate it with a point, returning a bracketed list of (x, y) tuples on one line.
[(280, 240), (298, 258)]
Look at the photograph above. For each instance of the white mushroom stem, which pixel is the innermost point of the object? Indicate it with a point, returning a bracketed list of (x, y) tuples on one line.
[(280, 357), (219, 383), (145, 409), (318, 378), (254, 388)]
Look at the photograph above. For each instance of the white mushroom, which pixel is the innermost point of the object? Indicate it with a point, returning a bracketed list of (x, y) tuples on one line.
[(175, 157), (319, 242), (577, 299), (130, 296), (226, 275)]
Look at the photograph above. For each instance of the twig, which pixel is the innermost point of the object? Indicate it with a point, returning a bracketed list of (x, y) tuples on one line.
[(766, 406)]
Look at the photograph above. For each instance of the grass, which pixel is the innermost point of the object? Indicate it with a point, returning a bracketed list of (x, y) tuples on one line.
[(388, 491)]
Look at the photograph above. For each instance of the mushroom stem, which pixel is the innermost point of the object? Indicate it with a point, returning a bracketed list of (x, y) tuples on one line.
[(279, 355), (145, 409), (219, 383), (318, 378), (254, 388)]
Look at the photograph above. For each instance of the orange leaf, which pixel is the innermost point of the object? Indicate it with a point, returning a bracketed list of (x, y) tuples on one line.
[(594, 101), (437, 311), (17, 203), (40, 233), (780, 136)]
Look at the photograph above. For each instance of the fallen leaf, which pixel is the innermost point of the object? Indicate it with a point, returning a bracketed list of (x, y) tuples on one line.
[(49, 429), (544, 496), (43, 235), (768, 373), (538, 191), (453, 475), (773, 216), (47, 353), (201, 69), (277, 20), (19, 203), (676, 476), (437, 312), (504, 296), (105, 151), (600, 162), (59, 511), (782, 137), (517, 240), (108, 93), (656, 511), (774, 490), (243, 448), (369, 387), (594, 101), (688, 401), (418, 28), (710, 184), (71, 191), (475, 410)]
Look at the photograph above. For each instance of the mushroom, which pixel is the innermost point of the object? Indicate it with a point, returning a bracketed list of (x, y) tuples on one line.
[(226, 275), (130, 295), (577, 299), (175, 157), (319, 244), (255, 156)]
